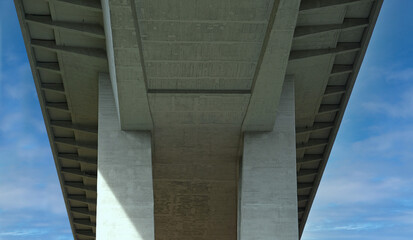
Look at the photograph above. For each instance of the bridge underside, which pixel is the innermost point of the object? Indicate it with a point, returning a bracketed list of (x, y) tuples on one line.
[(202, 84)]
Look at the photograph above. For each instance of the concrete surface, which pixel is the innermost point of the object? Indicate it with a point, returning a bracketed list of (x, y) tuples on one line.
[(268, 195), (125, 190), (193, 72)]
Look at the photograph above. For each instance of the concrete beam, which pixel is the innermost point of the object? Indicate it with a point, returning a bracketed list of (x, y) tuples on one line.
[(71, 142), (80, 186), (317, 126), (340, 49), (328, 108), (75, 127), (83, 210), (61, 106), (93, 30), (75, 157), (49, 66), (341, 69), (84, 222), (84, 51), (312, 143), (307, 172), (85, 233), (197, 91), (126, 65), (309, 5), (348, 24), (304, 186), (303, 198), (271, 68), (310, 158), (53, 87), (334, 90), (81, 199), (78, 172), (268, 188), (92, 5)]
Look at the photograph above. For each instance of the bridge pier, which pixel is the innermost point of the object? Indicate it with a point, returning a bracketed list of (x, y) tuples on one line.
[(124, 184), (268, 184)]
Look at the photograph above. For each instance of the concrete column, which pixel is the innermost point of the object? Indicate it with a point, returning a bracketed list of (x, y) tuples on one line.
[(124, 184), (268, 191)]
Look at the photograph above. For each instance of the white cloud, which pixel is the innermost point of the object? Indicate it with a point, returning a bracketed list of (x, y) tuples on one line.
[(404, 75), (32, 192), (24, 232), (18, 83), (354, 188), (401, 109), (394, 144)]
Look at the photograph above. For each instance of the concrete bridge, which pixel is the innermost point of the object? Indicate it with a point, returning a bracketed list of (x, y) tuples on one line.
[(193, 119)]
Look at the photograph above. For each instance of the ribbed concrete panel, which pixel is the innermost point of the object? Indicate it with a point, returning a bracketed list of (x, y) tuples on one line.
[(202, 44)]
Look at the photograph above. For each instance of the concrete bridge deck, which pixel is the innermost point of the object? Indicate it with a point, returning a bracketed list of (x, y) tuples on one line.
[(200, 82)]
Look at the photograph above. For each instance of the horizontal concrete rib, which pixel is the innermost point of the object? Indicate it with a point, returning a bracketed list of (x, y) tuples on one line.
[(83, 210), (304, 186), (301, 210), (78, 172), (70, 126), (340, 49), (198, 91), (85, 233), (341, 69), (73, 143), (49, 66), (328, 108), (312, 143), (93, 5), (333, 90), (348, 23), (80, 186), (310, 158), (307, 172), (75, 157), (308, 5), (61, 106), (303, 198), (82, 199), (84, 51), (93, 30), (317, 126), (53, 87), (84, 222)]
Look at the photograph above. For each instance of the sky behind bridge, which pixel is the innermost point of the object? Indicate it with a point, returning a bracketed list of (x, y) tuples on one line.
[(367, 189)]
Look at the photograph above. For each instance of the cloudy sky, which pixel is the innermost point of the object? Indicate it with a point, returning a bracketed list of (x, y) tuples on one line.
[(367, 189)]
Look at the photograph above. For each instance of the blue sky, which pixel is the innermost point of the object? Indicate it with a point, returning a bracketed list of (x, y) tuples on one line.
[(367, 189)]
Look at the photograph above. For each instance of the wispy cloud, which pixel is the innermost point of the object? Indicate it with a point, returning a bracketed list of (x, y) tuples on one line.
[(401, 75), (400, 109), (27, 193), (25, 232), (17, 83)]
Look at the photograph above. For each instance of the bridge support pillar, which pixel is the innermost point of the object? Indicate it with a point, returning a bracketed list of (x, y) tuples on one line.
[(268, 190), (124, 185)]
